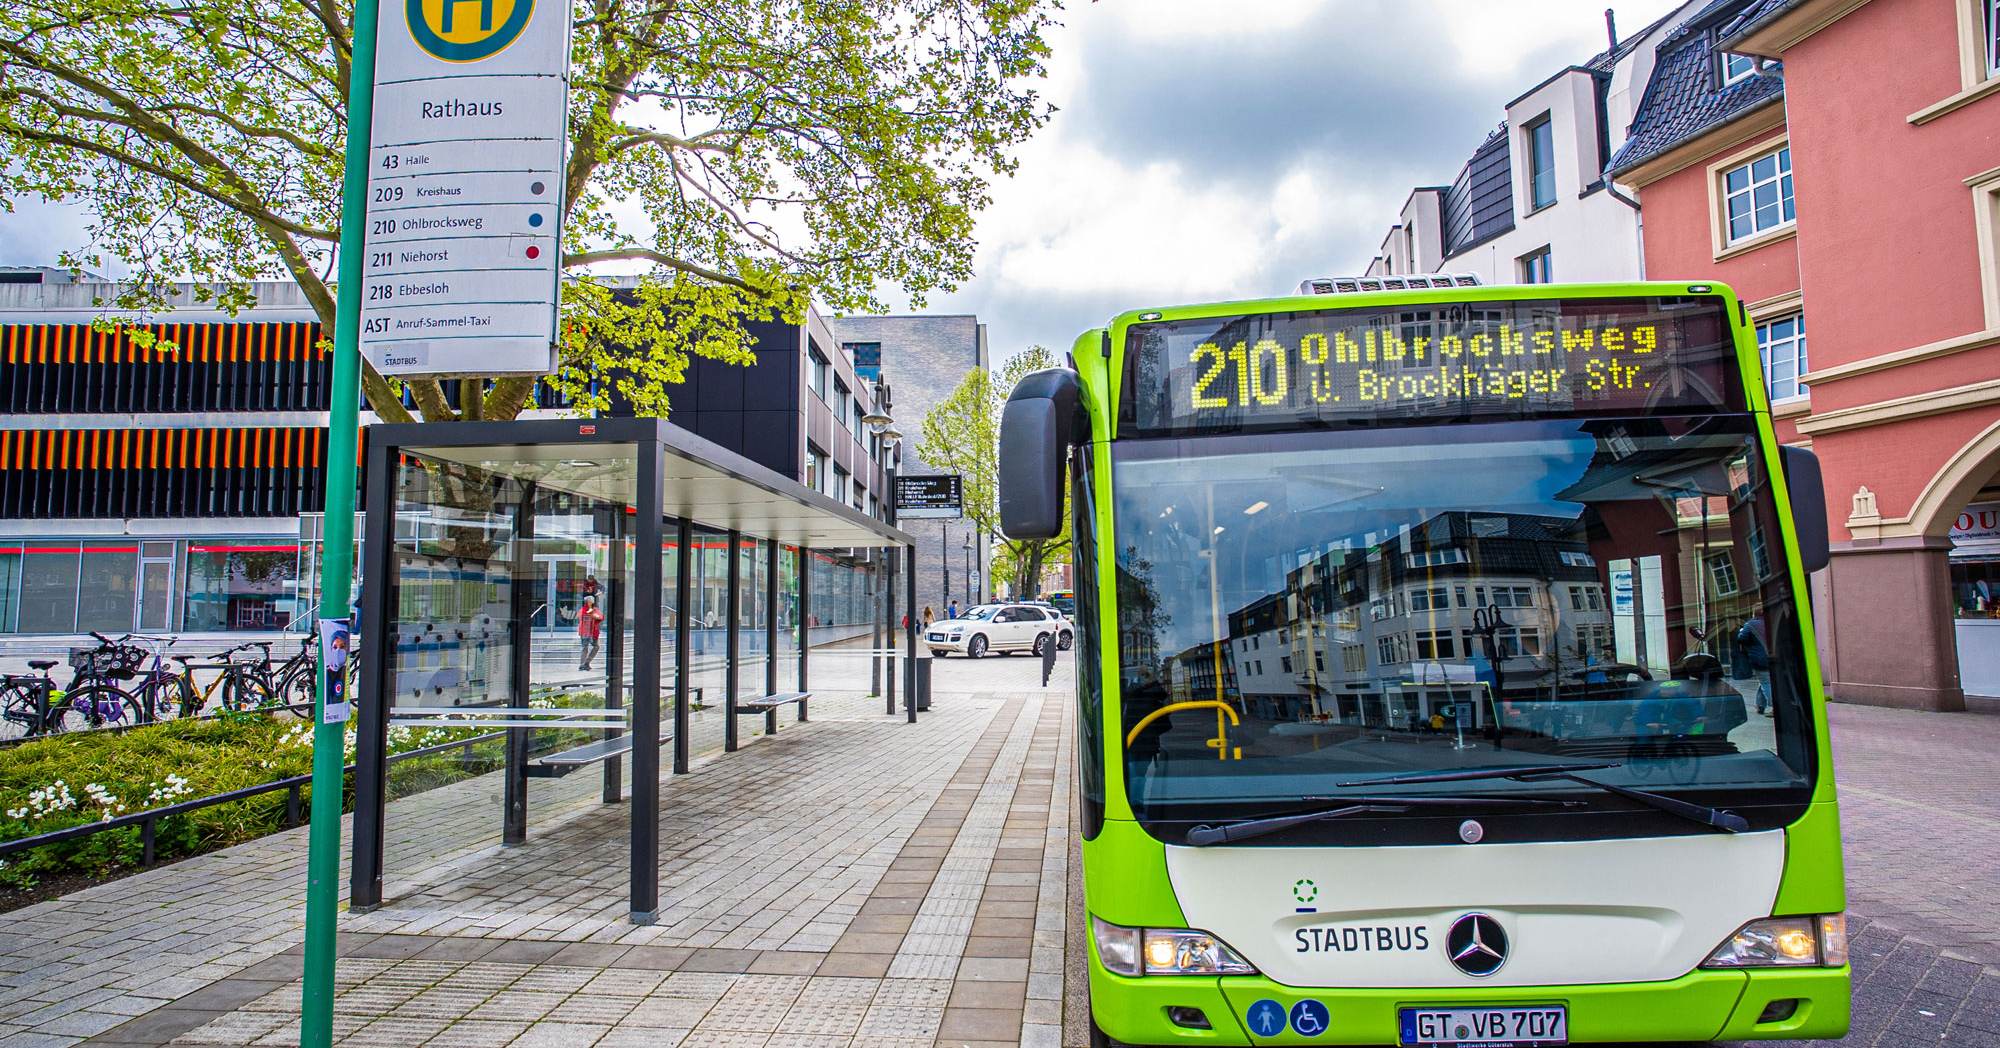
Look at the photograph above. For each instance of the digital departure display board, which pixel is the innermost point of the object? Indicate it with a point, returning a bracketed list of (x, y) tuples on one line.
[(1435, 361)]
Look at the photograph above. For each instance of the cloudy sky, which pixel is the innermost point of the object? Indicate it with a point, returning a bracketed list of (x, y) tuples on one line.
[(1212, 149), (1220, 149)]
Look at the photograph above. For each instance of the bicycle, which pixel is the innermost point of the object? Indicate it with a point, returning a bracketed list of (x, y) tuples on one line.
[(92, 700)]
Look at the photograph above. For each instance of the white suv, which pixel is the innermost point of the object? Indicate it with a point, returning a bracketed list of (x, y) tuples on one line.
[(1002, 628)]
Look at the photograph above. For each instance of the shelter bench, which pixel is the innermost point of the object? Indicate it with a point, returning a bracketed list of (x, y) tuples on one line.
[(561, 763), (765, 703)]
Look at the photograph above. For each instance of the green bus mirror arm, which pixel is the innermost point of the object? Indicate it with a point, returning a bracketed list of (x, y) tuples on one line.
[(1808, 490), (1043, 419)]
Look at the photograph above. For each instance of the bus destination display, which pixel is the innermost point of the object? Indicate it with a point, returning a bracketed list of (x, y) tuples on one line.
[(1575, 356)]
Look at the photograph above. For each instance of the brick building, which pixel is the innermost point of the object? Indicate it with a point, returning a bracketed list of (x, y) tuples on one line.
[(1834, 160)]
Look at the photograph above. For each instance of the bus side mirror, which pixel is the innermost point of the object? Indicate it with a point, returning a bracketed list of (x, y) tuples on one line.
[(1808, 489), (1042, 420)]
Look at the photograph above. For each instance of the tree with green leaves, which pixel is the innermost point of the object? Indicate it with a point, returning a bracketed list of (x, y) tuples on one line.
[(750, 157), (962, 435)]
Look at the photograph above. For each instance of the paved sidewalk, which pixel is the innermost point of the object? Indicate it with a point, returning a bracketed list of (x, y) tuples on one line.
[(852, 880)]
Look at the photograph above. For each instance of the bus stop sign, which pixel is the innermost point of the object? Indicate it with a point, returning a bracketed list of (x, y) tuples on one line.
[(465, 187)]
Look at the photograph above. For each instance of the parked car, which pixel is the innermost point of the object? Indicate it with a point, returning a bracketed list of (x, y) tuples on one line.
[(1002, 628)]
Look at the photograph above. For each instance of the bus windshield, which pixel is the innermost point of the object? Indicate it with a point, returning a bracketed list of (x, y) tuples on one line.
[(1303, 612)]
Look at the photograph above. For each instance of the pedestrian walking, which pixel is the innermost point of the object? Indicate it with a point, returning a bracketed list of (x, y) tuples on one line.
[(1756, 649), (951, 610), (1048, 659), (589, 627), (928, 617)]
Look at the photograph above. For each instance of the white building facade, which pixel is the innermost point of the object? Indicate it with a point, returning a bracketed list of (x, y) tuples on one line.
[(1531, 205)]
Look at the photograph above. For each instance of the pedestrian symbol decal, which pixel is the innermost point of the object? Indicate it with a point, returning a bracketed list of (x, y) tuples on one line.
[(1309, 1018), (466, 30), (1267, 1018)]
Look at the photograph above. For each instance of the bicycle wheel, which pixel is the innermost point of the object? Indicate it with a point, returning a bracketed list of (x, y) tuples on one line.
[(244, 690), (20, 712), (95, 706), (165, 697), (297, 687)]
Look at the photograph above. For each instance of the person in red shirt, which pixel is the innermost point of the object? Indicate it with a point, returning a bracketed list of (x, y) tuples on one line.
[(589, 627)]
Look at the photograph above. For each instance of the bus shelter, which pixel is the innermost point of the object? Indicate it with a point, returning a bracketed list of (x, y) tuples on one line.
[(573, 595)]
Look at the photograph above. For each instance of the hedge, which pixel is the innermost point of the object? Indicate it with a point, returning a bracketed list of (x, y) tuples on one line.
[(69, 780)]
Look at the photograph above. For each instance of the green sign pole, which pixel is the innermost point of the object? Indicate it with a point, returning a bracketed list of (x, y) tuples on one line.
[(343, 431)]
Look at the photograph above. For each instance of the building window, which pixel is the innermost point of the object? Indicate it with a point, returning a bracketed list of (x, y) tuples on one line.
[(819, 371), (1782, 345), (1574, 559), (843, 404), (1736, 67), (1353, 658), (838, 488), (1586, 598), (1536, 268), (1541, 164), (1990, 9), (1432, 558), (48, 587), (1757, 196), (815, 468), (1436, 644), (1722, 571), (1593, 641), (1429, 599), (867, 357)]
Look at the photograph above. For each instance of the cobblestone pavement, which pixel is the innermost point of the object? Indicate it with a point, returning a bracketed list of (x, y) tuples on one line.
[(851, 881)]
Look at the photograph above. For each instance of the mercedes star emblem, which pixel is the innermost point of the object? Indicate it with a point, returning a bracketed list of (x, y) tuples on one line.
[(1477, 945)]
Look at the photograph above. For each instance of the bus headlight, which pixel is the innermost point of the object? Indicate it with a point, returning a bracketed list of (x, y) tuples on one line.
[(1165, 951), (1785, 942)]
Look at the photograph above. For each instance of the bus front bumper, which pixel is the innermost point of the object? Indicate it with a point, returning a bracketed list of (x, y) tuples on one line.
[(1700, 1006)]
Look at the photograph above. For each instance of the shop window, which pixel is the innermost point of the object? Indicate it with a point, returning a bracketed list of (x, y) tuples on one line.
[(10, 588), (1781, 343), (1757, 196), (48, 588), (239, 586), (107, 589)]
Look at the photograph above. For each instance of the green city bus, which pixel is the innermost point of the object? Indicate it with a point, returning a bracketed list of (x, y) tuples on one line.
[(1446, 672)]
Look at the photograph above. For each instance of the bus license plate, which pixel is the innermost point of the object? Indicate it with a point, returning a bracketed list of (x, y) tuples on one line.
[(1486, 1027)]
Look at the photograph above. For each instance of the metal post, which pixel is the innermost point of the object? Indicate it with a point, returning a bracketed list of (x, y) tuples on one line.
[(910, 627), (875, 641), (944, 564), (889, 631), (514, 829), (730, 651), (378, 645), (645, 883), (805, 632), (771, 620), (614, 647), (683, 642), (343, 425)]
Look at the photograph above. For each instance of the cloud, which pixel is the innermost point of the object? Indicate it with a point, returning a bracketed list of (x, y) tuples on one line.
[(1209, 150)]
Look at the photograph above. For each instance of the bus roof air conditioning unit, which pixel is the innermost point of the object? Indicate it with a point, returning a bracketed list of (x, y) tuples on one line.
[(1407, 282)]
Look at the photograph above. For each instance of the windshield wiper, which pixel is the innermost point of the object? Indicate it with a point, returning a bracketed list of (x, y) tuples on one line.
[(1205, 835), (1714, 818)]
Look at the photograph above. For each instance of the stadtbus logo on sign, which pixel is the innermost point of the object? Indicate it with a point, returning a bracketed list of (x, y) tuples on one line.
[(466, 30)]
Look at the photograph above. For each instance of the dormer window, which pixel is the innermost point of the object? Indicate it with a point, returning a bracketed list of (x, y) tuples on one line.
[(1736, 68)]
